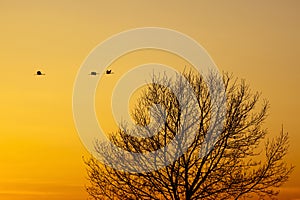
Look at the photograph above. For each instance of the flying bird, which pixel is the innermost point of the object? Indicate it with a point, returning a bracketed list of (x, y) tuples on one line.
[(109, 72), (93, 73), (39, 73)]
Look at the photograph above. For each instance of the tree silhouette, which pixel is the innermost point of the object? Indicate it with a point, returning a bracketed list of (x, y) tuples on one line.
[(238, 166)]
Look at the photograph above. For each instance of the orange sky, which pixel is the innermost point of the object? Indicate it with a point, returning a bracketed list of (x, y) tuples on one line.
[(40, 151)]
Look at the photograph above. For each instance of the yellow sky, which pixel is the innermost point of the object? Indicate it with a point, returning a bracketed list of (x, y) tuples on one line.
[(40, 151)]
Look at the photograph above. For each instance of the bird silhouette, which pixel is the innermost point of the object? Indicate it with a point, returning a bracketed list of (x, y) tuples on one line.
[(109, 72), (39, 73), (93, 73)]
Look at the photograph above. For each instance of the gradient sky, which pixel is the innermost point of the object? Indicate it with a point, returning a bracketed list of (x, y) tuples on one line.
[(40, 151)]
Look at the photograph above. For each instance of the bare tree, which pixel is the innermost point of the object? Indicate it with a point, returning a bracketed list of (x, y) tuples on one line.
[(238, 166)]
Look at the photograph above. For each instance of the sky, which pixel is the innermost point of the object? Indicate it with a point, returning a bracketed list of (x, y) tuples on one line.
[(40, 150)]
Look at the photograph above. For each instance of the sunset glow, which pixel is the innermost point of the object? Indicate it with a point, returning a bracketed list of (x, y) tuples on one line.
[(40, 150)]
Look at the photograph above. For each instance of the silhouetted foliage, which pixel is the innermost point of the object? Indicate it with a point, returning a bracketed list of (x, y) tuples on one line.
[(239, 166)]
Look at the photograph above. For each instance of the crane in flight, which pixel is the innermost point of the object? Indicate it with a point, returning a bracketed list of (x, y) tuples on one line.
[(39, 73), (93, 73), (109, 72)]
